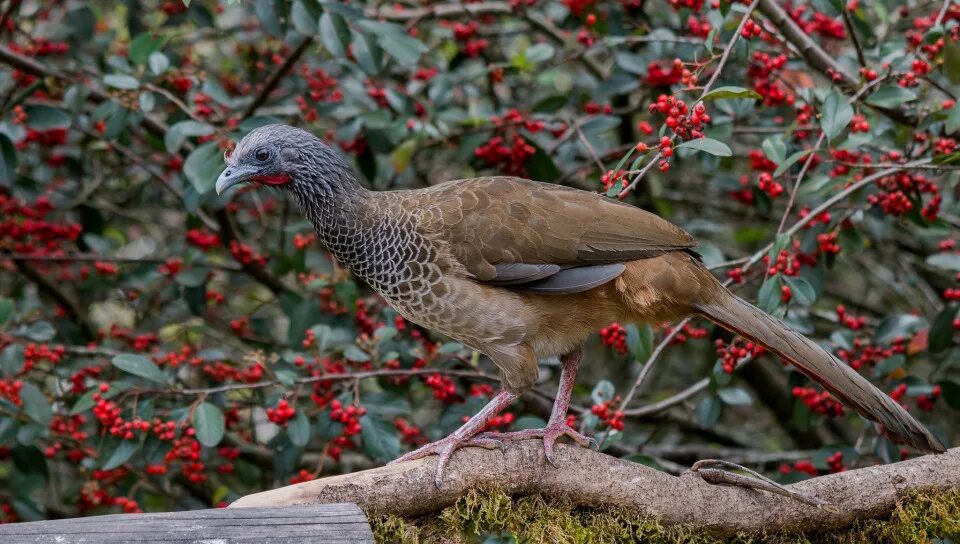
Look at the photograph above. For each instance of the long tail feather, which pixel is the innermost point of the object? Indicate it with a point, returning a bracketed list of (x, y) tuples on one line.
[(852, 389)]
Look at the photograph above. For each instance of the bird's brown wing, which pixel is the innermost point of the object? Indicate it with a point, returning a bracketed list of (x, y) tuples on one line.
[(502, 229)]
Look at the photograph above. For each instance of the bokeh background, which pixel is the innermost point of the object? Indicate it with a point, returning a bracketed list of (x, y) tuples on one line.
[(163, 348)]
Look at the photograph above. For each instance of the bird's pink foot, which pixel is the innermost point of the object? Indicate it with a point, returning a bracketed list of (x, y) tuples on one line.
[(549, 434), (444, 449)]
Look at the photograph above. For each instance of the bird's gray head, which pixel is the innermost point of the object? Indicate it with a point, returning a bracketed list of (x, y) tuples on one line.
[(287, 158)]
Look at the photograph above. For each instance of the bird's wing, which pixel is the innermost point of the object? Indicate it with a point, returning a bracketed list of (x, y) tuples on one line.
[(534, 235)]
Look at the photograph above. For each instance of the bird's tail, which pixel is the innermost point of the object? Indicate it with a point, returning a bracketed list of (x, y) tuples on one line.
[(852, 389)]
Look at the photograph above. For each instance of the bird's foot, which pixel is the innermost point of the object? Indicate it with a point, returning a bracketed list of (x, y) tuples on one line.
[(549, 434), (444, 449)]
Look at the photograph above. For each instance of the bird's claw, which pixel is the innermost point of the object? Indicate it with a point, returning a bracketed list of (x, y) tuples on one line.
[(549, 434), (444, 450)]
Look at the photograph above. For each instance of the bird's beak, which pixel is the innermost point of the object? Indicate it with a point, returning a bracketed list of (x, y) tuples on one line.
[(234, 175)]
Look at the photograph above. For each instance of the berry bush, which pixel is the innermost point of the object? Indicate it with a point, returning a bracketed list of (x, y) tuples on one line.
[(163, 348)]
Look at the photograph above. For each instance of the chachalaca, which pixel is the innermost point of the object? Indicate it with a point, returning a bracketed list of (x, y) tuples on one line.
[(520, 270)]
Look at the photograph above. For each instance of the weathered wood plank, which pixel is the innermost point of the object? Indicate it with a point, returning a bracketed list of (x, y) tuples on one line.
[(322, 523)]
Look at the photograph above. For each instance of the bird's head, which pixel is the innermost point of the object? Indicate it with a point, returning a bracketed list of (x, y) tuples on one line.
[(287, 158)]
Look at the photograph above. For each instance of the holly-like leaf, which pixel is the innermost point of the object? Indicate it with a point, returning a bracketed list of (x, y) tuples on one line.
[(732, 92), (602, 392), (941, 330), (945, 261), (888, 365), (734, 396), (380, 440), (35, 404), (42, 117), (775, 148), (790, 161), (121, 454), (707, 145), (769, 297), (6, 309), (203, 166), (891, 96), (8, 161), (803, 293), (354, 353), (209, 424), (835, 115), (299, 429), (179, 132), (121, 81), (138, 365), (640, 341)]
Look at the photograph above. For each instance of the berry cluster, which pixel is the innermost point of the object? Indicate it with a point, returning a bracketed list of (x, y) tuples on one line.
[(615, 335), (282, 413), (738, 350), (686, 124), (608, 416), (818, 402)]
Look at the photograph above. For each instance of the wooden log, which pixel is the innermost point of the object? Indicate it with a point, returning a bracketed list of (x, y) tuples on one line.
[(338, 523)]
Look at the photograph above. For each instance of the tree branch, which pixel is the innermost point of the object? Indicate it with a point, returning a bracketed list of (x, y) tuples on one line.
[(586, 477)]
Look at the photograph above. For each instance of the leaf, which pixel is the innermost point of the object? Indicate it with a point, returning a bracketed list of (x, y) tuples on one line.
[(602, 392), (138, 365), (888, 365), (6, 309), (790, 161), (951, 61), (539, 53), (708, 411), (303, 15), (368, 56), (41, 117), (941, 331), (209, 423), (11, 359), (35, 404), (945, 261), (898, 325), (299, 429), (951, 393), (354, 353), (890, 96), (86, 402), (721, 93), (179, 132), (267, 13), (803, 292), (121, 81), (8, 161), (735, 396), (403, 47), (142, 47), (769, 297), (952, 124), (203, 166), (640, 341), (334, 34), (379, 438), (121, 454), (707, 145), (835, 115), (775, 149), (158, 62)]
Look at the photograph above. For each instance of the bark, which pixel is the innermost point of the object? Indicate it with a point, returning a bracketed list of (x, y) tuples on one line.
[(590, 478)]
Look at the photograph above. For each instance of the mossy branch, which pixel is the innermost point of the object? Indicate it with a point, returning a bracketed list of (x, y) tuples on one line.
[(592, 479)]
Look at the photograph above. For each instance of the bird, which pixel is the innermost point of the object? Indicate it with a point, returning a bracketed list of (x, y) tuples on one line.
[(521, 270)]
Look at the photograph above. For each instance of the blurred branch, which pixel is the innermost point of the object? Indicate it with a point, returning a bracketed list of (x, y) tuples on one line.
[(276, 77), (586, 477), (87, 257), (52, 290)]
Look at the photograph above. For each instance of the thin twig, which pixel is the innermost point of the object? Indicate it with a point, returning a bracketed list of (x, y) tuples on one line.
[(853, 37), (942, 14), (276, 76)]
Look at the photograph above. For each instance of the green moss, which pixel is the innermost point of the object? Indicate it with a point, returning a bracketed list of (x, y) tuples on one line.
[(539, 519)]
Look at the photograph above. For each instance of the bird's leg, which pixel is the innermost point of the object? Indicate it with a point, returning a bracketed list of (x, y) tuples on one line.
[(557, 426), (466, 435)]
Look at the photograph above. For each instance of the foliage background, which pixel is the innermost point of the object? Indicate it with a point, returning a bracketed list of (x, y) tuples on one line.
[(164, 348)]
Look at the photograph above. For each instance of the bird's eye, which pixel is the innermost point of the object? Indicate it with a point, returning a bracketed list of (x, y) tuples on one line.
[(262, 154)]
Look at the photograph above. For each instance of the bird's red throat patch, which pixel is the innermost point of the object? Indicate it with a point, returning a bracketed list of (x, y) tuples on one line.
[(273, 179)]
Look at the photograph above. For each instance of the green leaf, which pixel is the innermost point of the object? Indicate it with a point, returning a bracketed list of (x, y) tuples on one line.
[(951, 61), (8, 160), (85, 402), (707, 145), (539, 53), (334, 34), (121, 454), (380, 440), (6, 309), (367, 55), (721, 93), (178, 133), (891, 96), (299, 429), (952, 124), (951, 393), (709, 411), (303, 15), (888, 365), (158, 62), (803, 292), (42, 117), (769, 297), (899, 325), (142, 47), (356, 354), (790, 161), (11, 359), (602, 392), (835, 115), (735, 396), (138, 365), (403, 47), (941, 330), (35, 404), (121, 81), (268, 12), (945, 261), (203, 166), (775, 149), (209, 423), (640, 341)]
